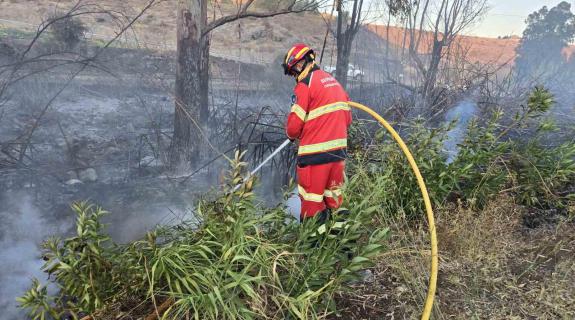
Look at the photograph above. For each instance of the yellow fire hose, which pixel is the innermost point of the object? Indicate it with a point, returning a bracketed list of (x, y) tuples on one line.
[(430, 219)]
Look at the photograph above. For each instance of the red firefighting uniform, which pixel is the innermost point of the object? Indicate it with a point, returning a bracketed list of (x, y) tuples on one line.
[(319, 118)]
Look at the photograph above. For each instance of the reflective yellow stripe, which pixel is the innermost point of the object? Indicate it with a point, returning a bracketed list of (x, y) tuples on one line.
[(299, 54), (289, 54), (327, 109), (299, 111), (323, 146), (313, 197), (332, 193)]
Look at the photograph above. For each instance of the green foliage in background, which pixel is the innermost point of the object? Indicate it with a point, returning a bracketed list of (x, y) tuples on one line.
[(548, 32), (493, 157)]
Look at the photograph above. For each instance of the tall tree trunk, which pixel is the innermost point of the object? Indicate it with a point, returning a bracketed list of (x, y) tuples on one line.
[(432, 72), (342, 66), (345, 38), (192, 75), (341, 39)]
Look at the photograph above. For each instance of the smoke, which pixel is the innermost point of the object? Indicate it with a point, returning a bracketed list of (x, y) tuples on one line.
[(293, 204), (544, 57), (462, 113), (22, 230), (24, 227), (125, 227)]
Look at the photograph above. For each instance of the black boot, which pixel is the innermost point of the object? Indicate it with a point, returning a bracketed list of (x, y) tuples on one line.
[(323, 216)]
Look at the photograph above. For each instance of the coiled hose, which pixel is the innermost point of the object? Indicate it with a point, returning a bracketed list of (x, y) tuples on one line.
[(430, 219)]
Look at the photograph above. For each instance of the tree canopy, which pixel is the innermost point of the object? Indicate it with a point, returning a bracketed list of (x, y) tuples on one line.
[(548, 32)]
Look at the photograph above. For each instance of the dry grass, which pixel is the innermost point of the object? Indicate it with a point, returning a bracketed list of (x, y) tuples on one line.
[(491, 267)]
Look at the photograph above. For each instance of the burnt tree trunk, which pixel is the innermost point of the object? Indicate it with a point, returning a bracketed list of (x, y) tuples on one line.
[(432, 72), (344, 36), (192, 75), (342, 66)]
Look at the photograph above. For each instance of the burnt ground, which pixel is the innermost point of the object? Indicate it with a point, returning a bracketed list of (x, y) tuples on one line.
[(115, 122)]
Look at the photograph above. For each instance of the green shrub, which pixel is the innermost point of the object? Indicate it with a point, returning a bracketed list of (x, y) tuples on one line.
[(488, 163), (479, 170), (380, 174), (542, 173)]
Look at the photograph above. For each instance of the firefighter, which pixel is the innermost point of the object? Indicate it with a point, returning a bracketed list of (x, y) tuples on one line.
[(319, 119)]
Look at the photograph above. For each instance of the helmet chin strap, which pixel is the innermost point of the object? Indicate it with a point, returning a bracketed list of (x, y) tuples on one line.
[(305, 71)]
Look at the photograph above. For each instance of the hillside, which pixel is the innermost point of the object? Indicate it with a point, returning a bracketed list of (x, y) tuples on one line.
[(251, 40), (479, 49), (259, 40)]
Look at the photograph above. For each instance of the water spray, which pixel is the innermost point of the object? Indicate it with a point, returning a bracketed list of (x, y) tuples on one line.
[(254, 171)]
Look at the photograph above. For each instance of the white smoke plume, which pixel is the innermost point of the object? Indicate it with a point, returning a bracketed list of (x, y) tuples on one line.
[(463, 112), (22, 230)]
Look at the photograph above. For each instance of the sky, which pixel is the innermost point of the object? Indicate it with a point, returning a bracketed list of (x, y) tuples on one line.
[(507, 17)]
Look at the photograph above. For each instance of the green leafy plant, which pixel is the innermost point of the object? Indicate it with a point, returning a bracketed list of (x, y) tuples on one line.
[(488, 162), (38, 302)]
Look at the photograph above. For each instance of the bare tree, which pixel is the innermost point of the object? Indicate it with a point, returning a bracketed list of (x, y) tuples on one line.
[(345, 35), (192, 73), (350, 21), (445, 20)]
